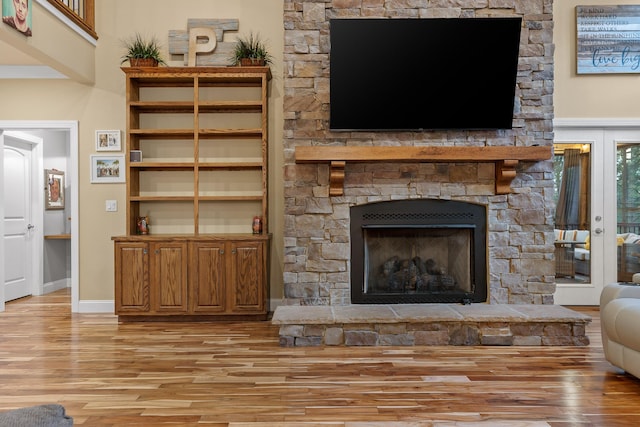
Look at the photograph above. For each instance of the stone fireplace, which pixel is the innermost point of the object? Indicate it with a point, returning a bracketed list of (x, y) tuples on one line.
[(418, 251), (317, 240), (482, 168)]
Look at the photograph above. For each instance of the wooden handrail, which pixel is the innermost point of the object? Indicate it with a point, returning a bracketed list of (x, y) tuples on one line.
[(81, 12), (505, 158)]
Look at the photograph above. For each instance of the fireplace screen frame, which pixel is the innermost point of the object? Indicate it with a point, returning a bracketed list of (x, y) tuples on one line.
[(423, 214)]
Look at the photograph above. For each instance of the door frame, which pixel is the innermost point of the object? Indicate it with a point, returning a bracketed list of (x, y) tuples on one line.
[(72, 128), (36, 287), (608, 272)]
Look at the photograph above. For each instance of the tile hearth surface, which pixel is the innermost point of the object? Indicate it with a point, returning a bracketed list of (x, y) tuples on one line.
[(430, 324)]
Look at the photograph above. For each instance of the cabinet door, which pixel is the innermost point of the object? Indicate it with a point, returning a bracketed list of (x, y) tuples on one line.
[(168, 281), (246, 277), (132, 277), (207, 278)]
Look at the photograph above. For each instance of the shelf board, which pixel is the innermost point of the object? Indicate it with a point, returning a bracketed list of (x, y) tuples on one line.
[(230, 165), (230, 107), (223, 237), (505, 158), (176, 76), (230, 198), (161, 106), (57, 237), (166, 107), (162, 133), (161, 198), (159, 166), (230, 133)]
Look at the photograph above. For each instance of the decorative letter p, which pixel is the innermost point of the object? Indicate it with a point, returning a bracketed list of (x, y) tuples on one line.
[(196, 34)]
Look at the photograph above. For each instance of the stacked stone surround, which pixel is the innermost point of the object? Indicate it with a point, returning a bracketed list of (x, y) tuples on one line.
[(317, 235)]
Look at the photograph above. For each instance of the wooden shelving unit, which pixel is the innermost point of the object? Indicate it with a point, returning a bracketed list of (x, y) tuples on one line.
[(202, 132)]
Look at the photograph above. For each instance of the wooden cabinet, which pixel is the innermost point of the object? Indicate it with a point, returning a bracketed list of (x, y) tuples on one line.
[(200, 177), (191, 278), (224, 276), (132, 277), (151, 277)]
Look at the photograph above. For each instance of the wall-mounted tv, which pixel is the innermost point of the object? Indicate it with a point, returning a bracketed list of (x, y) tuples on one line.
[(423, 74)]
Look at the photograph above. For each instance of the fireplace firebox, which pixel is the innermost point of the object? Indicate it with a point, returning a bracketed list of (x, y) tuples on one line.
[(418, 251)]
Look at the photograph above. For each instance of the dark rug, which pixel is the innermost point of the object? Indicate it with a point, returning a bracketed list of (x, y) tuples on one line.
[(52, 415)]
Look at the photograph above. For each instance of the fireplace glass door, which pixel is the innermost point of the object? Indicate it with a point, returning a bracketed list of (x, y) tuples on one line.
[(427, 261)]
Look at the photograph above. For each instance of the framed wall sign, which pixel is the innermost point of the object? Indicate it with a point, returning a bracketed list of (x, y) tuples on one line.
[(53, 189), (608, 39), (108, 140), (107, 169)]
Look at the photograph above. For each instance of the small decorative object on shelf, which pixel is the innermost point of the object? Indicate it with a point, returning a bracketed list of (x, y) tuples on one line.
[(143, 225), (257, 225), (135, 156)]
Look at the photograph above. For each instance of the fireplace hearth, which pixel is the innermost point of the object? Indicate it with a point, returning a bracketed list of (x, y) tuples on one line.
[(418, 251)]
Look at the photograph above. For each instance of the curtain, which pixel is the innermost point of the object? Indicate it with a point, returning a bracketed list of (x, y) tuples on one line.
[(568, 207)]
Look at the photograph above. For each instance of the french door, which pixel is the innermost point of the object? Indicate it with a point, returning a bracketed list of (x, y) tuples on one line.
[(597, 208)]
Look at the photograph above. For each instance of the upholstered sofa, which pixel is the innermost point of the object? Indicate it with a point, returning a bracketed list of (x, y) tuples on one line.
[(573, 254), (619, 320)]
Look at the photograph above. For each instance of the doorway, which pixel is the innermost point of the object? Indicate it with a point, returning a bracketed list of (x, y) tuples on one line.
[(596, 211), (71, 130)]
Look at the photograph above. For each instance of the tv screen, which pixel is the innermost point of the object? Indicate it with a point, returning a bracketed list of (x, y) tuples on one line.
[(423, 74)]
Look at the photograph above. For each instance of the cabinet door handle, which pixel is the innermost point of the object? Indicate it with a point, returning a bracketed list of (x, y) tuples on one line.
[(233, 251), (157, 251), (144, 251), (222, 252)]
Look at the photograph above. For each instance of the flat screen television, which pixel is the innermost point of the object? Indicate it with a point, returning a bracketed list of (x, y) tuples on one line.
[(423, 74)]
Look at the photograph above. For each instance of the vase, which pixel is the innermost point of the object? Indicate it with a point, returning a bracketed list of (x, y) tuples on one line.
[(143, 62), (252, 62)]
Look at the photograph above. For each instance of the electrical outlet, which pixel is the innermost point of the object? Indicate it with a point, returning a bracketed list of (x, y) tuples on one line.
[(111, 205)]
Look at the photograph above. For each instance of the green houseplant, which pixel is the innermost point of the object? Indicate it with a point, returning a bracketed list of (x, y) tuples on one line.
[(250, 50), (142, 52)]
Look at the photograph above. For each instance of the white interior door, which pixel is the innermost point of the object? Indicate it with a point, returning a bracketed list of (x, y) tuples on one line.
[(18, 222)]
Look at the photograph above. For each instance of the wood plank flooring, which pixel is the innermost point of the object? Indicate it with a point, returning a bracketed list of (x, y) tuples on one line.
[(236, 374)]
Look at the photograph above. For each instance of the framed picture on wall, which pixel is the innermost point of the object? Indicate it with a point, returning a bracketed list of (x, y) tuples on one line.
[(108, 140), (17, 15), (107, 169), (53, 189)]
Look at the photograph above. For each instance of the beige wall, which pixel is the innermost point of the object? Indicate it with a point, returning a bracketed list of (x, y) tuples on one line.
[(596, 96), (101, 106)]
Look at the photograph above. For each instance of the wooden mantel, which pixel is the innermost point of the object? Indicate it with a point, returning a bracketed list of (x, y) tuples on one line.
[(505, 158)]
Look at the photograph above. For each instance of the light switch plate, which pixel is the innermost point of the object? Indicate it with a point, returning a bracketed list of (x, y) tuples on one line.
[(111, 205)]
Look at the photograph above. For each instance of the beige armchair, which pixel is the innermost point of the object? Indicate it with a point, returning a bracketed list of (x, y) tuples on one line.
[(619, 318)]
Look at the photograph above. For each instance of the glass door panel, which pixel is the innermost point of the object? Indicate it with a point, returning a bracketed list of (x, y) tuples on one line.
[(572, 184), (628, 209)]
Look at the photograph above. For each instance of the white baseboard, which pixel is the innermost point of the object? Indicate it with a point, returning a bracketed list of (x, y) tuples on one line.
[(56, 285), (96, 306)]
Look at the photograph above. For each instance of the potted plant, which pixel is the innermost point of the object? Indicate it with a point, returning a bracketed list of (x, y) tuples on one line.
[(250, 50), (142, 52)]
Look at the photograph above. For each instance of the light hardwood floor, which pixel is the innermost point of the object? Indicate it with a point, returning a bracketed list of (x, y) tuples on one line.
[(235, 374)]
